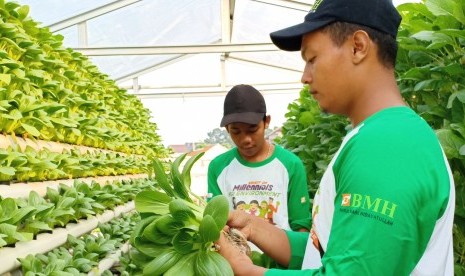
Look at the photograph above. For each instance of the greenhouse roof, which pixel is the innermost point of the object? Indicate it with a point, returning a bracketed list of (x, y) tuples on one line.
[(183, 50)]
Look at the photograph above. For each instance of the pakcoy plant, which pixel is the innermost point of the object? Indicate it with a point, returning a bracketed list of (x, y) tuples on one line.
[(80, 255), (22, 219), (10, 217), (178, 229), (29, 164), (121, 229), (35, 223)]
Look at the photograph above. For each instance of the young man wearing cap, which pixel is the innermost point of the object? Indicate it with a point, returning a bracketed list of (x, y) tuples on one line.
[(385, 205), (269, 179)]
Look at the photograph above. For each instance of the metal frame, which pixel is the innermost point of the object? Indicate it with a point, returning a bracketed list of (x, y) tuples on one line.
[(177, 49), (225, 47), (83, 17)]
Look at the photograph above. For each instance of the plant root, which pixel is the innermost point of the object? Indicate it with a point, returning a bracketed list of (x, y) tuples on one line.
[(238, 240)]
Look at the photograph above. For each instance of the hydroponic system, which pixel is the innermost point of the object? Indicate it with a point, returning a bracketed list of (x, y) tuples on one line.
[(75, 150), (84, 186)]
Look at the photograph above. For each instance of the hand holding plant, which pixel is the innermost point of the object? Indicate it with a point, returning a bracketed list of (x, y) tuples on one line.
[(177, 236)]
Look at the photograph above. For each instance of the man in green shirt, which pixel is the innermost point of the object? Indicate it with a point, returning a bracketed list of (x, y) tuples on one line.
[(258, 177), (385, 205)]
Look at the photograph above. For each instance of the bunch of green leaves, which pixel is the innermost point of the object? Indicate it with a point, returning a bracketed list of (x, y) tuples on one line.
[(120, 230), (12, 162), (58, 261), (128, 266), (83, 204), (79, 255), (82, 200), (93, 246), (104, 197), (36, 223), (10, 217), (39, 165), (178, 229), (21, 219), (312, 135), (431, 74), (63, 213)]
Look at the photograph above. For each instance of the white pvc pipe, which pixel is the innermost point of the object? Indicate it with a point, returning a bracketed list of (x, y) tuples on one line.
[(22, 189)]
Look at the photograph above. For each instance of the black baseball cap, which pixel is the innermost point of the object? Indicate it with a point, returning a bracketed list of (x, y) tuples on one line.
[(243, 104), (380, 15)]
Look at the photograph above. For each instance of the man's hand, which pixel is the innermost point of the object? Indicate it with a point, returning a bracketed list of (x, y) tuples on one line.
[(270, 239), (241, 221), (239, 261)]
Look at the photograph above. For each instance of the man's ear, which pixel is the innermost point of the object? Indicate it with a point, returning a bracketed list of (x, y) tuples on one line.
[(361, 46), (267, 121)]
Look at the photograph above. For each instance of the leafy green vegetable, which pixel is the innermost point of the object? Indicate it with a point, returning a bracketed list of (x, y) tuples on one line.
[(152, 202), (216, 209), (211, 264), (163, 262), (177, 233)]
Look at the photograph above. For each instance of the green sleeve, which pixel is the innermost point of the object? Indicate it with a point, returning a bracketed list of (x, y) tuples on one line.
[(279, 272), (298, 198), (213, 187), (298, 242)]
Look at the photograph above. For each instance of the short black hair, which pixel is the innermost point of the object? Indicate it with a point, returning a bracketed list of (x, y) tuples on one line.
[(387, 44)]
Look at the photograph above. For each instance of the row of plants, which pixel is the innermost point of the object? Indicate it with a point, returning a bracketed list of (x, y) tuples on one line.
[(21, 219), (53, 93), (17, 165), (430, 71), (80, 256), (175, 233)]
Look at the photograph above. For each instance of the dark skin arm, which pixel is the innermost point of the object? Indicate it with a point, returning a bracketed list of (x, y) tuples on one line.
[(270, 239)]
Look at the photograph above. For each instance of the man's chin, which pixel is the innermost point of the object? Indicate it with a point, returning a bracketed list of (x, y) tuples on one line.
[(247, 153)]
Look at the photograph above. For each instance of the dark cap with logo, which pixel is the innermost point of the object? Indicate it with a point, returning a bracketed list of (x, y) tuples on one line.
[(380, 15), (243, 104)]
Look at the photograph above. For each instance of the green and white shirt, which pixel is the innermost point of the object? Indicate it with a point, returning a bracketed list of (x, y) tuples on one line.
[(385, 205), (274, 189)]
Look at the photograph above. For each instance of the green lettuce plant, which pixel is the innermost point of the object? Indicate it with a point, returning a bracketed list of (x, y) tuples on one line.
[(81, 255), (177, 233), (42, 209), (10, 217)]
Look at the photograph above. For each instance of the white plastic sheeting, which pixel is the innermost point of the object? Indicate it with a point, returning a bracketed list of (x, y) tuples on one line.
[(184, 92)]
